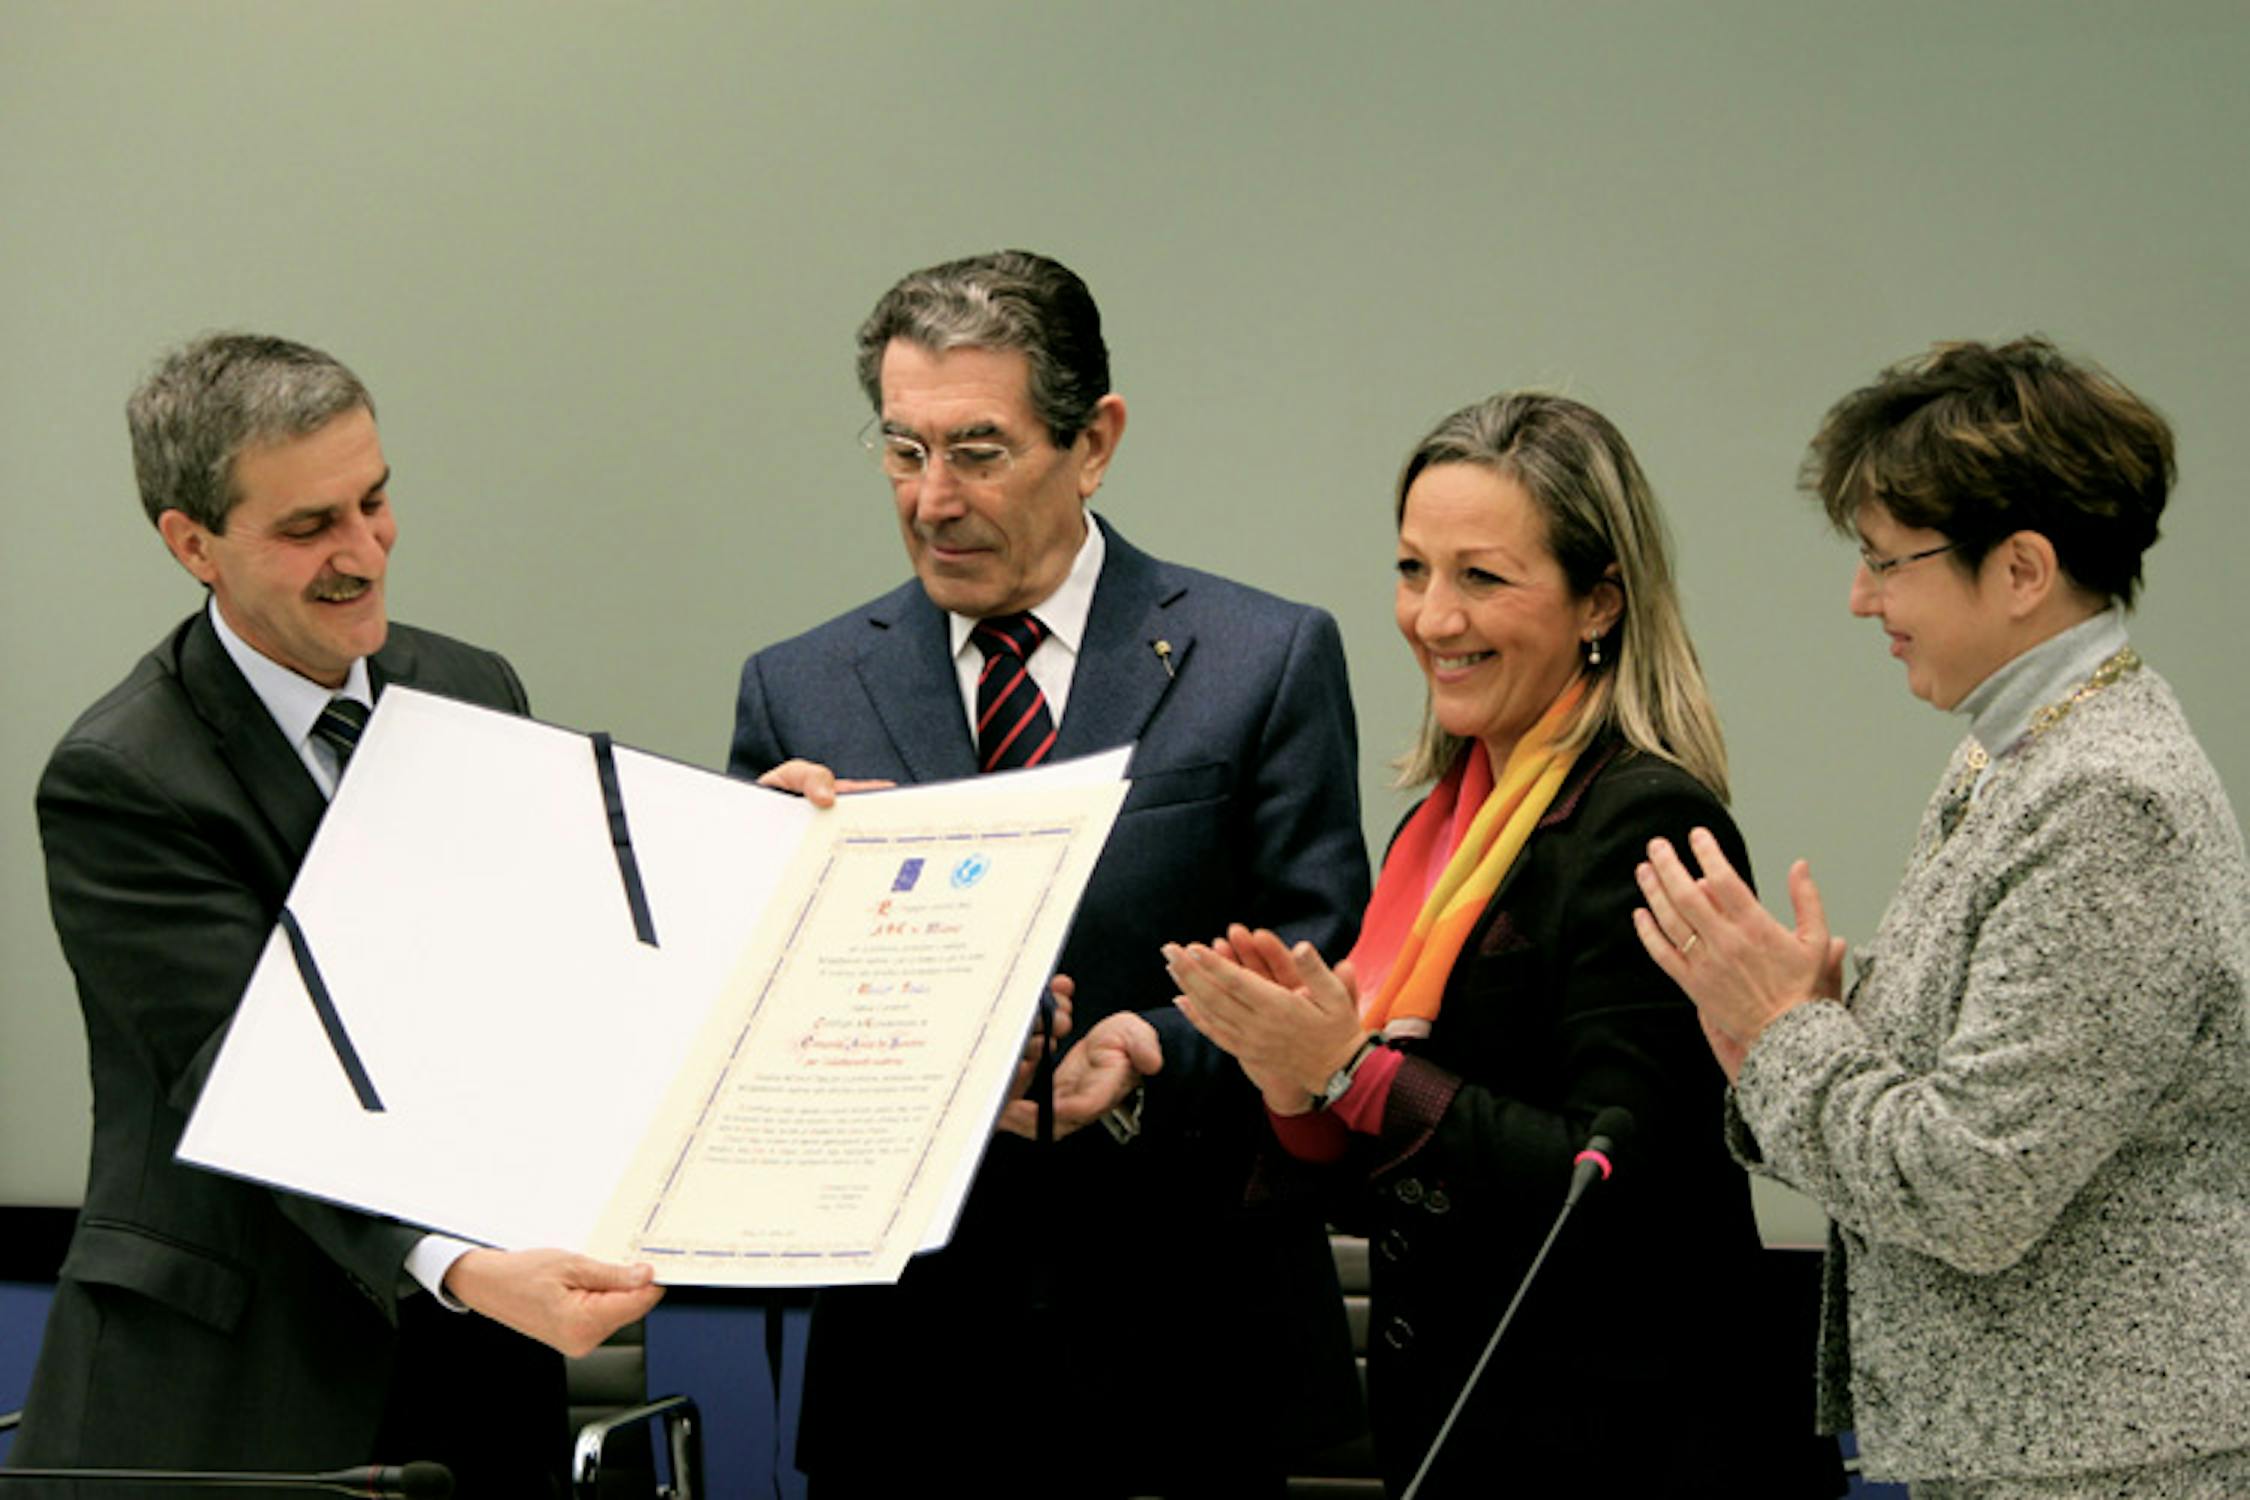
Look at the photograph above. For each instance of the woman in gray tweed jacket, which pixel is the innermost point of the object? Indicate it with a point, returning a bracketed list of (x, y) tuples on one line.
[(2030, 1118)]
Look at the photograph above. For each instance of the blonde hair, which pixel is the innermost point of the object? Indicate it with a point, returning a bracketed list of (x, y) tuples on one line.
[(1602, 525)]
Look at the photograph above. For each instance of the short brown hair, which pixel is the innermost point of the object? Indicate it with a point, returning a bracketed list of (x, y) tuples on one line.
[(1980, 443)]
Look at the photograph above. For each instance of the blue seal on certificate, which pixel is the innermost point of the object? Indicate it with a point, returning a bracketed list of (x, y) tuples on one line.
[(970, 871)]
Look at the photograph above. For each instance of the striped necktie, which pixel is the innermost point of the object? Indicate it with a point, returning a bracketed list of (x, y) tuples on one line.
[(339, 726), (1013, 726)]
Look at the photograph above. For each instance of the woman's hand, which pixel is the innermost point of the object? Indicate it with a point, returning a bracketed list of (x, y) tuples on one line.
[(1281, 1012), (1726, 1049), (1740, 966)]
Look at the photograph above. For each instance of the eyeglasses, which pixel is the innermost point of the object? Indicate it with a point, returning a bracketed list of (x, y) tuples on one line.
[(903, 458), (1880, 568)]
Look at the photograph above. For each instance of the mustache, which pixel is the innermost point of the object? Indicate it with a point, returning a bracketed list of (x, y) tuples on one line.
[(954, 534), (337, 587)]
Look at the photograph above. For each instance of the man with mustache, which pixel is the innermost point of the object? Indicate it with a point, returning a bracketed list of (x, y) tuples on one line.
[(1108, 1319), (201, 1321)]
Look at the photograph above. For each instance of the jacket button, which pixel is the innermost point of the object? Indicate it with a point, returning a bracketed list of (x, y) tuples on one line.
[(1398, 1333), (1392, 1246), (1437, 1202), (1409, 1190)]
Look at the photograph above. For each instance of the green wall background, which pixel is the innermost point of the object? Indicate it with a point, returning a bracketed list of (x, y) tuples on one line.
[(601, 264)]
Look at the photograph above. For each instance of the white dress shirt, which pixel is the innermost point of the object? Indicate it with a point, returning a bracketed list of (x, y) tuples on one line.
[(295, 702), (1064, 614)]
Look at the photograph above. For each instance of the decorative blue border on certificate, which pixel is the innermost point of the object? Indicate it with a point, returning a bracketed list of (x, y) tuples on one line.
[(650, 1243)]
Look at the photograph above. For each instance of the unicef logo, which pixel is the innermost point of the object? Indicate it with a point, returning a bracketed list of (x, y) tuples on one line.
[(970, 871)]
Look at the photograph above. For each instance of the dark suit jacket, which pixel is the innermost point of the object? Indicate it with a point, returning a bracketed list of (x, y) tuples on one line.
[(201, 1320), (1095, 1284), (1637, 1364)]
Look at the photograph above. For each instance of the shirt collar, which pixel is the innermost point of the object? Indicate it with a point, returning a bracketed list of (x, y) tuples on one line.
[(2001, 707), (1064, 611), (293, 701)]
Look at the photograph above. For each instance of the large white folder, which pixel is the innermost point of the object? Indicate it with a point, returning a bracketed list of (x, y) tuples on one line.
[(463, 1021)]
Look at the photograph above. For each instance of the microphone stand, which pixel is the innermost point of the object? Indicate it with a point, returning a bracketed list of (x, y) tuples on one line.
[(415, 1481), (1610, 1126)]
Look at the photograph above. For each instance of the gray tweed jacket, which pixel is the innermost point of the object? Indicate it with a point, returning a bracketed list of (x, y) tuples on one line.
[(2030, 1121)]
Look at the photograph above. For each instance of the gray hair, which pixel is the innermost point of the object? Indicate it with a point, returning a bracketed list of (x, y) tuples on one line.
[(209, 400), (1010, 299), (1602, 523)]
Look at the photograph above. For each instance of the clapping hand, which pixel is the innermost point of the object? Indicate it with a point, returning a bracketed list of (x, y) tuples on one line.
[(1281, 1012)]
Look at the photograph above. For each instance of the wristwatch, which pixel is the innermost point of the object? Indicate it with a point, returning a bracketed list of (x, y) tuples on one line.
[(1124, 1121), (1340, 1082)]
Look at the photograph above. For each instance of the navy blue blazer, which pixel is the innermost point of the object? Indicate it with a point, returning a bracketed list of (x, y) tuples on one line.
[(1135, 1270), (201, 1320)]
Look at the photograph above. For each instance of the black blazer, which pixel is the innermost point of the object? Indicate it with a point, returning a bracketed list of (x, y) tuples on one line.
[(201, 1320), (1113, 1304), (1635, 1366)]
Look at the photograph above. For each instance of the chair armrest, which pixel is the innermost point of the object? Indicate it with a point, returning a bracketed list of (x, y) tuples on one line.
[(683, 1441)]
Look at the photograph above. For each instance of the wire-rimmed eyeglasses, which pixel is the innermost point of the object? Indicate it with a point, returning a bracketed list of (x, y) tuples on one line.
[(981, 461), (1879, 567)]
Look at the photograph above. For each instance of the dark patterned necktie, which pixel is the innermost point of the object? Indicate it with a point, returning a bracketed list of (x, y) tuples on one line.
[(339, 725), (1013, 726)]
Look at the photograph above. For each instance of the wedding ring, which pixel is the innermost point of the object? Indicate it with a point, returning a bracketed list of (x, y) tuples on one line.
[(1689, 946)]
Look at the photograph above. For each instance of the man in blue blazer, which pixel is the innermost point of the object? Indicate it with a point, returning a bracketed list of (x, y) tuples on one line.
[(203, 1321), (1109, 1319)]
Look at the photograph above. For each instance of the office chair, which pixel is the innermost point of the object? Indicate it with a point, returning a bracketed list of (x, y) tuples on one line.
[(614, 1455)]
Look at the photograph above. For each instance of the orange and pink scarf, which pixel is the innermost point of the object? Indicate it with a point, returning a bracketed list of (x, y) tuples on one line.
[(1444, 867)]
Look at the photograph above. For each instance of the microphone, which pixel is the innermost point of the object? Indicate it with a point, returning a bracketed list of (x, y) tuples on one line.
[(1611, 1132), (415, 1481)]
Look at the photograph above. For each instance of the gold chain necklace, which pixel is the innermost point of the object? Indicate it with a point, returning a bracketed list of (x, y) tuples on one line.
[(2105, 676)]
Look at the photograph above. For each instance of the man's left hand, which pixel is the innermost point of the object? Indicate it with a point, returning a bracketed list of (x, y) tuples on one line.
[(1094, 1077), (1059, 989)]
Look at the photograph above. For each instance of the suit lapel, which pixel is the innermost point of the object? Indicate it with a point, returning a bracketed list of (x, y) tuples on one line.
[(275, 780), (396, 662), (1121, 676), (906, 668)]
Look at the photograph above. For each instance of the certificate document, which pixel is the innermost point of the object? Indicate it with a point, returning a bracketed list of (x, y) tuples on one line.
[(859, 1051), (530, 988)]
